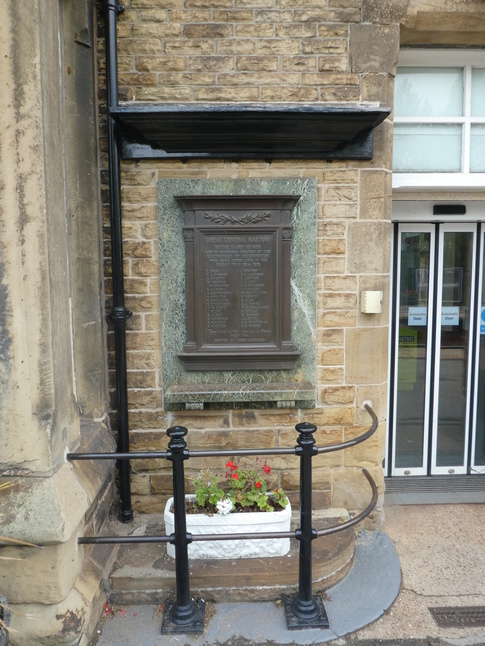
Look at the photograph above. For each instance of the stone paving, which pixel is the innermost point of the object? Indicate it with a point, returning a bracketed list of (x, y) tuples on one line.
[(441, 550)]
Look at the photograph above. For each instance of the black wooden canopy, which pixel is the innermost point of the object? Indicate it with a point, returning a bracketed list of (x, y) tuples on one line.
[(247, 131)]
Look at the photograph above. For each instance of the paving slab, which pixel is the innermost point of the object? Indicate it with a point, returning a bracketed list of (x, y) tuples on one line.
[(441, 550), (442, 553), (366, 592)]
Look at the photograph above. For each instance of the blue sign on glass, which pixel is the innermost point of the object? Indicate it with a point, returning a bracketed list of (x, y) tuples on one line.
[(482, 321)]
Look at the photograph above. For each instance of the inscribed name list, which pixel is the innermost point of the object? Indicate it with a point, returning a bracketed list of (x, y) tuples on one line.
[(238, 288)]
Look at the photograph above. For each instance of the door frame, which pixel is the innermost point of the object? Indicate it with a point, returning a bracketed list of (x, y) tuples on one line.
[(420, 216)]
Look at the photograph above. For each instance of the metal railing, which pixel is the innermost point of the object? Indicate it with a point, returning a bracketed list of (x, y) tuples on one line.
[(185, 614)]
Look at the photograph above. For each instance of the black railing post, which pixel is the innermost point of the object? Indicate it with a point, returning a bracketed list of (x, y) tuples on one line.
[(305, 610), (184, 615)]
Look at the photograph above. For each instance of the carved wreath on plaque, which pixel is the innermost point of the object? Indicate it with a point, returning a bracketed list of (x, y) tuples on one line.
[(247, 218)]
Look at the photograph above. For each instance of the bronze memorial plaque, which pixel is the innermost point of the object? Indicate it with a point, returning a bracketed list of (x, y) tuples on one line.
[(238, 282)]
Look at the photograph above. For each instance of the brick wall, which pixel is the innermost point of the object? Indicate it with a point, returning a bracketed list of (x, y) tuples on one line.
[(265, 50)]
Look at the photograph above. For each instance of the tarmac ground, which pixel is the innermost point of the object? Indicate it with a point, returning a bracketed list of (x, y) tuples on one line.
[(427, 557)]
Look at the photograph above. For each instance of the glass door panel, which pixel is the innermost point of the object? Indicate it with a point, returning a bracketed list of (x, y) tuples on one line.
[(411, 376), (478, 445), (452, 369)]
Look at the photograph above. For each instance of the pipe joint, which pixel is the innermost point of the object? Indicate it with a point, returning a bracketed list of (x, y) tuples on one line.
[(112, 5), (120, 313)]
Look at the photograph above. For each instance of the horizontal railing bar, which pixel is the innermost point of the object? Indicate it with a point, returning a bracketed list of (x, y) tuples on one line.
[(133, 455), (234, 537), (154, 455), (238, 452), (253, 536), (106, 540), (356, 440), (87, 540), (363, 514)]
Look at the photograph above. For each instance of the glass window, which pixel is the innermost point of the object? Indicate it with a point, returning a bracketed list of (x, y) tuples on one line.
[(429, 92), (478, 92), (439, 118), (423, 148), (477, 149)]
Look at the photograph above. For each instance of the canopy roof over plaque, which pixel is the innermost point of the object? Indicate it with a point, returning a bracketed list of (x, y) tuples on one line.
[(248, 130)]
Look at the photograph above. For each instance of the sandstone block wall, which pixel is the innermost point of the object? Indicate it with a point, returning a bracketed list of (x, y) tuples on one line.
[(271, 51), (52, 336), (266, 50)]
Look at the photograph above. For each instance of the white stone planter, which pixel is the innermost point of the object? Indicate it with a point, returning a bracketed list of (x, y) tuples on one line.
[(276, 521)]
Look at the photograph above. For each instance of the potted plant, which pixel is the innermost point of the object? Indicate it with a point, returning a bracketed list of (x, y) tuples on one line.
[(245, 505)]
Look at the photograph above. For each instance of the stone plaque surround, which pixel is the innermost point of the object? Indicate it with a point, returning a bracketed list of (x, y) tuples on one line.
[(226, 384)]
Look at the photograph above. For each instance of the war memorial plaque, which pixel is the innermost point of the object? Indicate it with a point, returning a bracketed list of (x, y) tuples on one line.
[(237, 252)]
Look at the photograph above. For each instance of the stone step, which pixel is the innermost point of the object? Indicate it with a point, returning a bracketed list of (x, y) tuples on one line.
[(144, 573)]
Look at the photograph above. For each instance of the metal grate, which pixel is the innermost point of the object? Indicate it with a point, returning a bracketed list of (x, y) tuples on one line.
[(435, 484), (458, 617)]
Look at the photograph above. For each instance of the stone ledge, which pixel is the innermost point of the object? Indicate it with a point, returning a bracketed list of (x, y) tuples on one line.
[(287, 395)]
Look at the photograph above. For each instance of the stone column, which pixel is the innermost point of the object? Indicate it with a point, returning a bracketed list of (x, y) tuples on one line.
[(52, 354)]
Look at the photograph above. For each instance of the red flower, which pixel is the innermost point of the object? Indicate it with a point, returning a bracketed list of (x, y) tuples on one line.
[(231, 465), (235, 476), (267, 469), (258, 485)]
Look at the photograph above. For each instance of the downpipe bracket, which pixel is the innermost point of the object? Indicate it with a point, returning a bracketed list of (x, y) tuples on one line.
[(120, 313)]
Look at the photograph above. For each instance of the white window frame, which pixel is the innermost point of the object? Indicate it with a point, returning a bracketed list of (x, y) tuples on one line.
[(466, 59)]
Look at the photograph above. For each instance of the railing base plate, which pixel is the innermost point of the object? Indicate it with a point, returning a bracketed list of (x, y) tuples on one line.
[(294, 622), (195, 626)]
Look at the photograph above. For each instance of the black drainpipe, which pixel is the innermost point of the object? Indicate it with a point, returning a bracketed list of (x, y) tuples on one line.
[(119, 313)]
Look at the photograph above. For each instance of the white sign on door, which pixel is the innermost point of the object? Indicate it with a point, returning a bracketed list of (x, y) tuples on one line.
[(450, 316), (417, 316)]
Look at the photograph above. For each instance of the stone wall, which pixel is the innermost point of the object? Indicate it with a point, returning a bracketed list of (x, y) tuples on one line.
[(271, 51), (252, 50), (260, 50), (53, 394)]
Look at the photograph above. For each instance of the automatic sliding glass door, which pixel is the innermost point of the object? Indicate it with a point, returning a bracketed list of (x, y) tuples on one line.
[(433, 350), (412, 345), (454, 296)]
